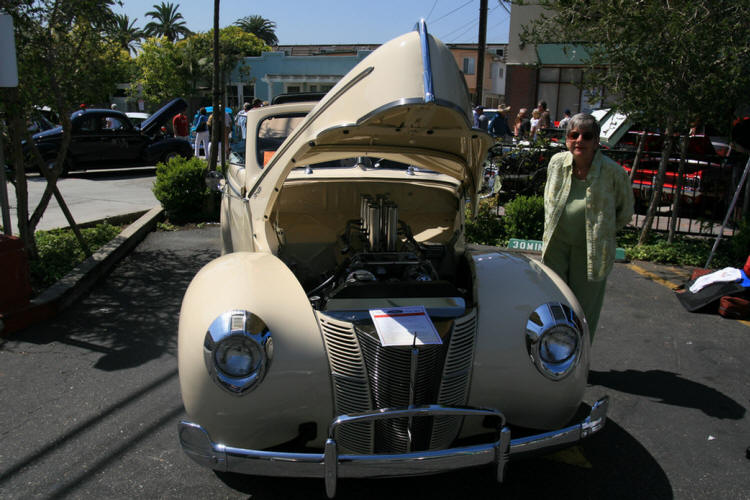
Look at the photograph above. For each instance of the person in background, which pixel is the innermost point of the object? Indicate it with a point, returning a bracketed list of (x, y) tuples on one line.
[(181, 125), (109, 123), (242, 119), (499, 124), (544, 120), (227, 128), (482, 120), (201, 132), (257, 103), (565, 119), (587, 199), (522, 125), (536, 116)]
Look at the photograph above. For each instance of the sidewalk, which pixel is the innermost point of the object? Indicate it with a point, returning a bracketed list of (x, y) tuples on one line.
[(90, 196)]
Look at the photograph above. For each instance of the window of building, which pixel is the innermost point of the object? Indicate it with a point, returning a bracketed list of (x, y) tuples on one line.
[(468, 65), (293, 89), (248, 93), (232, 99), (559, 88)]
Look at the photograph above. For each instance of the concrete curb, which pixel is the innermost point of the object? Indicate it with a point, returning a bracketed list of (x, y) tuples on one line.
[(79, 281)]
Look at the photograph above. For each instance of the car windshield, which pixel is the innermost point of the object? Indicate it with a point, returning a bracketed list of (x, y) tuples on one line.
[(274, 130)]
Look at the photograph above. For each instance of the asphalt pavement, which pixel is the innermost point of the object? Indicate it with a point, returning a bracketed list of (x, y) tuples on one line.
[(90, 400)]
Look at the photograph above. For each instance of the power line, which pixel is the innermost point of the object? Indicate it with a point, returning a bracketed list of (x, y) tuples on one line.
[(433, 8), (454, 10), (468, 26)]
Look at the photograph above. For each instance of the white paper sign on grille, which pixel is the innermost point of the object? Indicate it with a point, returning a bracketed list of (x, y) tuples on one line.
[(399, 326)]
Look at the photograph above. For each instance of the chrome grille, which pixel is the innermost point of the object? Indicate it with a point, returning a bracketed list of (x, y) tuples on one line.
[(454, 387), (389, 374), (350, 388), (367, 375)]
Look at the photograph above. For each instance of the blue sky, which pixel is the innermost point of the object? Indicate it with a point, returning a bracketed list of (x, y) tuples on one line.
[(342, 21)]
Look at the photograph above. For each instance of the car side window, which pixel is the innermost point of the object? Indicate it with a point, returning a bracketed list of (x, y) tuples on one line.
[(272, 132), (113, 123), (86, 124)]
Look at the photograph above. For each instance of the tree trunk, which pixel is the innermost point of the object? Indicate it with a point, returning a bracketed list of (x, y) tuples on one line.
[(638, 153), (677, 196), (15, 132), (658, 183), (218, 120)]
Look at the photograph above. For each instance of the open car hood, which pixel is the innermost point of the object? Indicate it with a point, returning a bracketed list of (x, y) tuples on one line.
[(165, 113), (407, 101)]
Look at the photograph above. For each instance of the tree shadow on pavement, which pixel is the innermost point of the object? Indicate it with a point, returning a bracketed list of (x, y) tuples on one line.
[(615, 466), (671, 389), (131, 316)]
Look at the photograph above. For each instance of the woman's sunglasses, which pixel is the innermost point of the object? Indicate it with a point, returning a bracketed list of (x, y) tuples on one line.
[(587, 136)]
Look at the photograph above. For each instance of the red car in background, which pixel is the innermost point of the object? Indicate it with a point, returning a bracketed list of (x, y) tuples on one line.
[(707, 172)]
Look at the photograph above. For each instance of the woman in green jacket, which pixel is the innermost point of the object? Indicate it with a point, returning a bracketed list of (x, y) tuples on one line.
[(587, 199)]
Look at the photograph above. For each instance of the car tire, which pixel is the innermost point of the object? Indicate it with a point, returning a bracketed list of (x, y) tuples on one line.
[(169, 155)]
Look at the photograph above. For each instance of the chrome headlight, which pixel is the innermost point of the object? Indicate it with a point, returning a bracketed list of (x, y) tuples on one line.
[(553, 339), (237, 350)]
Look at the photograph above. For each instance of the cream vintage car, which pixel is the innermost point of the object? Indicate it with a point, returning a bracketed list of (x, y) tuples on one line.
[(348, 330)]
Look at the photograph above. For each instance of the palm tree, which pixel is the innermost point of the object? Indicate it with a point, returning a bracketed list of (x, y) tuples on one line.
[(124, 32), (259, 26), (166, 22)]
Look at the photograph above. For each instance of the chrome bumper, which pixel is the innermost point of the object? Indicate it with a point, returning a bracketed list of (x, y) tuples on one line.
[(331, 465)]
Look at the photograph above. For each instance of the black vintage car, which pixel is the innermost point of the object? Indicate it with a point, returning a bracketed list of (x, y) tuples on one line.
[(105, 138)]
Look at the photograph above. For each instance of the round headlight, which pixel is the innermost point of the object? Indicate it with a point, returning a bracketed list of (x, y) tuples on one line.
[(558, 344), (237, 351), (553, 339), (236, 356)]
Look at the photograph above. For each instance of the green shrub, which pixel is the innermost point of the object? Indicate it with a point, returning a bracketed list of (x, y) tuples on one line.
[(685, 250), (181, 189), (524, 217), (60, 252), (486, 228)]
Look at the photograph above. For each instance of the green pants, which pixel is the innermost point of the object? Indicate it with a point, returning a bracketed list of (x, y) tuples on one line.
[(569, 262)]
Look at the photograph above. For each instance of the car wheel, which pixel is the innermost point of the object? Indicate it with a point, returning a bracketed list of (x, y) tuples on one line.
[(169, 155)]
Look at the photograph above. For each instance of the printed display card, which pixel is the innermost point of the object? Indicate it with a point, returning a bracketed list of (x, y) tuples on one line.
[(400, 326)]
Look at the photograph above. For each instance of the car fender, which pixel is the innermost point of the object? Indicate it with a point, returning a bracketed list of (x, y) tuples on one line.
[(296, 388), (508, 288), (155, 151)]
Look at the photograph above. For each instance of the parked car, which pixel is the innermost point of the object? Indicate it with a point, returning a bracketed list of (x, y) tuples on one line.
[(708, 167), (348, 329), (103, 138)]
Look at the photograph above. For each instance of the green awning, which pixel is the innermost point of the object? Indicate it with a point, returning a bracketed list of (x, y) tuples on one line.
[(561, 54)]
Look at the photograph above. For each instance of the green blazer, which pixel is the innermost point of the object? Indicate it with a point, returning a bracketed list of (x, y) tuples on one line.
[(609, 207)]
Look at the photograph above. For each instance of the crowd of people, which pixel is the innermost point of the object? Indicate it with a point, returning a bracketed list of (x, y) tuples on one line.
[(526, 125), (202, 125)]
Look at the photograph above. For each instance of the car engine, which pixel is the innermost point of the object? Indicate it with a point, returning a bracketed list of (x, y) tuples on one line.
[(383, 260)]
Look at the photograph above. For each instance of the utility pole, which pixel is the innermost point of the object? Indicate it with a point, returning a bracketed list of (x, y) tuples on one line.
[(481, 49), (217, 126)]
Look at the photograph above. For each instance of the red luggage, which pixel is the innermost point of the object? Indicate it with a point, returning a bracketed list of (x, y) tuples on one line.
[(734, 307)]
